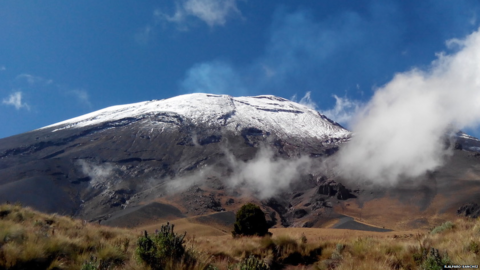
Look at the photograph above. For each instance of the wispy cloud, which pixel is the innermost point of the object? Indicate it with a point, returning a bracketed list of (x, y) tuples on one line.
[(15, 100), (211, 12), (263, 176), (3, 68), (344, 110), (143, 36), (100, 174), (39, 89), (216, 77), (33, 80), (333, 54), (305, 100), (81, 95)]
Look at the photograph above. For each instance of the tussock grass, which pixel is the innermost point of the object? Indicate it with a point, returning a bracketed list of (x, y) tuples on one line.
[(457, 242), (30, 239), (34, 240)]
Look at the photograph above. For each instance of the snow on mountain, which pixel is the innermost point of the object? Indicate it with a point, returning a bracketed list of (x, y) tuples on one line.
[(268, 113)]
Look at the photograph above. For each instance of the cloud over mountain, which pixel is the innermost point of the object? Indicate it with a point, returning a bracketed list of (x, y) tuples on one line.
[(401, 130)]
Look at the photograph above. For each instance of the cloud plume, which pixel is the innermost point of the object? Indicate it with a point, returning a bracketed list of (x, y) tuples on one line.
[(263, 176), (98, 173), (400, 132)]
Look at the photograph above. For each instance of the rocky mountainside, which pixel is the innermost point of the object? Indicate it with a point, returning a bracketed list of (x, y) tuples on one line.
[(199, 156), (98, 164)]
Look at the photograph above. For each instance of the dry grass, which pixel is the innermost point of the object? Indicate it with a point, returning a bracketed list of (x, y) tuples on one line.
[(348, 249), (191, 227), (33, 240)]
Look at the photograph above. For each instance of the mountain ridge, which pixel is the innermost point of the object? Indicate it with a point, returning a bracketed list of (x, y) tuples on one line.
[(264, 111)]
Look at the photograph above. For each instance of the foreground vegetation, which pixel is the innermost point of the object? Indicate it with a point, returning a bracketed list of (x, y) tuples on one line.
[(33, 240)]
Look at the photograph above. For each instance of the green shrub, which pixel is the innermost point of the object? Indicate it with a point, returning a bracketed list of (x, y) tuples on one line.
[(250, 263), (250, 220), (435, 261), (90, 265), (164, 247), (445, 226)]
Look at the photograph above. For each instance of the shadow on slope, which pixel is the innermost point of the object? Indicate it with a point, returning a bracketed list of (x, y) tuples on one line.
[(142, 215)]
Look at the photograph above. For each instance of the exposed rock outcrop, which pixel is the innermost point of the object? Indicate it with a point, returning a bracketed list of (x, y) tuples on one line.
[(469, 210)]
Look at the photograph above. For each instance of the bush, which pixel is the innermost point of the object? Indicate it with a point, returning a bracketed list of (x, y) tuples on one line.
[(250, 220), (435, 261), (445, 226), (250, 263), (163, 248)]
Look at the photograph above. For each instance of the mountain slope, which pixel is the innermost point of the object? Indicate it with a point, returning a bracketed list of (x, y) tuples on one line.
[(269, 114), (191, 157), (97, 164)]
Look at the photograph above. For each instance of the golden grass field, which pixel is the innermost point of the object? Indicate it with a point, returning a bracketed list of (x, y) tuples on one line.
[(34, 240)]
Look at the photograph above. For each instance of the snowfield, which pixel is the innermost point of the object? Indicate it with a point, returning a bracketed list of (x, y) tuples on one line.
[(269, 113)]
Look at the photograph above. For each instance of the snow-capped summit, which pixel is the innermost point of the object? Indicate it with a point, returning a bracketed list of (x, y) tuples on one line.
[(271, 114)]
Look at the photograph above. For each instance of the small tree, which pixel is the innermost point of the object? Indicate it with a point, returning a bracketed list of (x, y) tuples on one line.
[(250, 221)]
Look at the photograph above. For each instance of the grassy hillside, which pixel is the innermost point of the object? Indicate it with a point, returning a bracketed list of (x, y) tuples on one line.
[(34, 240)]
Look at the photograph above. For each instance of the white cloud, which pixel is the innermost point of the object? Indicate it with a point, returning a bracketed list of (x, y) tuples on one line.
[(344, 111), (307, 101), (211, 12), (81, 95), (99, 174), (15, 99), (264, 176), (401, 131)]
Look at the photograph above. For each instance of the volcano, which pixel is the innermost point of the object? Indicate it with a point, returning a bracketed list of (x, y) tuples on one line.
[(118, 165)]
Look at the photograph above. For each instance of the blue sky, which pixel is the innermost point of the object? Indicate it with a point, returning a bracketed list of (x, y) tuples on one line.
[(61, 59)]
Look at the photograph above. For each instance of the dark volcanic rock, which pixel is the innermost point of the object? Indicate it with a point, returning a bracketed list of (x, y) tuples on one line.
[(277, 205), (332, 188), (281, 207), (230, 201), (469, 210), (308, 224), (299, 213)]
